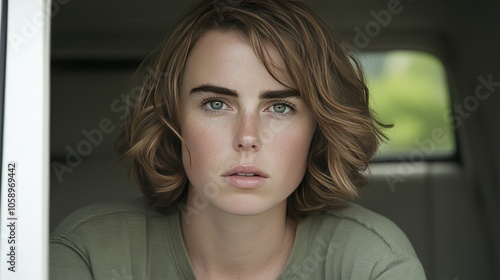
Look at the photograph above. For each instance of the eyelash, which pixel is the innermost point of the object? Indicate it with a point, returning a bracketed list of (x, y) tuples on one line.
[(287, 104), (206, 101)]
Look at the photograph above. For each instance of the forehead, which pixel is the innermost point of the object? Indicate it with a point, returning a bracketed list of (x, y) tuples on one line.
[(227, 56)]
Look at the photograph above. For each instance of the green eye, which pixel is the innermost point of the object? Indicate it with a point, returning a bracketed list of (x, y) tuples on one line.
[(216, 105), (280, 108)]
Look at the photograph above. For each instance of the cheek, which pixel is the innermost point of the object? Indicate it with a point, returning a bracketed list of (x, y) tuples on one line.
[(202, 145), (293, 150), (294, 140)]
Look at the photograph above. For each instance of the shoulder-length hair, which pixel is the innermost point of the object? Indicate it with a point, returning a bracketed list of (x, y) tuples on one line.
[(319, 64)]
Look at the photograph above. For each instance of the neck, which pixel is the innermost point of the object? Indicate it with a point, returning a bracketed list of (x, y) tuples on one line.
[(221, 245)]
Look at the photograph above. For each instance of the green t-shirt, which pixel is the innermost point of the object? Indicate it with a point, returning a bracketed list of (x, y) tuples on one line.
[(133, 241)]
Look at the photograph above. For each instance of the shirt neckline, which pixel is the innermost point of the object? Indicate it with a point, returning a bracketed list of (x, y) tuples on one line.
[(179, 252), (185, 269)]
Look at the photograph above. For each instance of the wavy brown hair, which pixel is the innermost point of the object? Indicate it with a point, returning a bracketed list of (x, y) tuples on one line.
[(321, 66)]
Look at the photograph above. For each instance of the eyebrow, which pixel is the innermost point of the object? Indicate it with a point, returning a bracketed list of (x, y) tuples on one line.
[(268, 94)]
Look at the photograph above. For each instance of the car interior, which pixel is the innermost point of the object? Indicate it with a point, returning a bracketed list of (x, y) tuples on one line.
[(446, 200)]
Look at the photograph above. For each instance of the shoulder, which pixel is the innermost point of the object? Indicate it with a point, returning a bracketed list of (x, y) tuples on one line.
[(105, 239), (99, 226), (366, 244), (366, 225), (106, 215), (360, 225)]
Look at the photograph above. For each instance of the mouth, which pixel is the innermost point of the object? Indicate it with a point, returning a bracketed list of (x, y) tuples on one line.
[(245, 177), (245, 174), (245, 171)]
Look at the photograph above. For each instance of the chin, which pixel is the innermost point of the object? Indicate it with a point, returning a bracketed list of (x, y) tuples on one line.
[(250, 206)]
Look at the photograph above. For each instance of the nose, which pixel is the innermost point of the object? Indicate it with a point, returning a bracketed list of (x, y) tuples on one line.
[(247, 133)]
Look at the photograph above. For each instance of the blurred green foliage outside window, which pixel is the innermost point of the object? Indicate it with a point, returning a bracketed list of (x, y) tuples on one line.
[(409, 89)]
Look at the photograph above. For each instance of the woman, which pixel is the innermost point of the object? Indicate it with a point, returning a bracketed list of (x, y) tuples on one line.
[(249, 140)]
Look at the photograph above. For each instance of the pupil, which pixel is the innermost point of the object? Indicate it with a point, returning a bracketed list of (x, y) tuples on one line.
[(279, 108), (216, 105)]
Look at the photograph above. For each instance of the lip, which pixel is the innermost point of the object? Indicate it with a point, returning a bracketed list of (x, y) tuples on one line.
[(245, 177)]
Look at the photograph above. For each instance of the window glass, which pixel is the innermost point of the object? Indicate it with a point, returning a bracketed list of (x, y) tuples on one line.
[(409, 89)]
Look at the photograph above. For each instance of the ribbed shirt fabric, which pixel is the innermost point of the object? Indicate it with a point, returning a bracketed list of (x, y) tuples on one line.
[(132, 241)]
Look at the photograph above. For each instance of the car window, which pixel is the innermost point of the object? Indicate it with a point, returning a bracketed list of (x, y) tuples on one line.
[(409, 89)]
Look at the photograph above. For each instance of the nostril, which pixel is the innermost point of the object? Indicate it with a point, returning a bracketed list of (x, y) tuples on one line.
[(244, 147)]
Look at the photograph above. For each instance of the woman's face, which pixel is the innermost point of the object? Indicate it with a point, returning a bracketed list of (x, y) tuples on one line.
[(246, 135)]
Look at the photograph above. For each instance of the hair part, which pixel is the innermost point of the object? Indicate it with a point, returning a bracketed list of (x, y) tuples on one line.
[(319, 64)]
